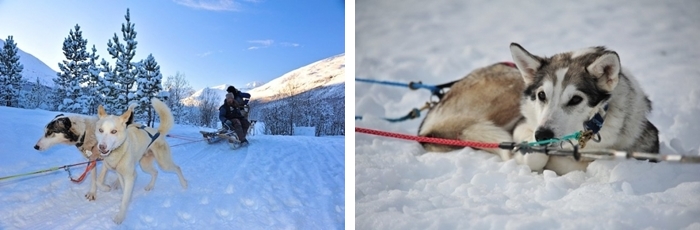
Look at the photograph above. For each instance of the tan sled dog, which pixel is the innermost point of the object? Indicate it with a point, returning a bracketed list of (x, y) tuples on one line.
[(123, 145)]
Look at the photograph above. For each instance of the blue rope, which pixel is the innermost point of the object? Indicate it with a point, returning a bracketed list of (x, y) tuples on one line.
[(412, 85), (415, 113)]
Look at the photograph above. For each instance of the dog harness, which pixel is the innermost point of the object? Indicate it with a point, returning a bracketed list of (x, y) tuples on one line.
[(153, 136), (596, 123), (592, 127)]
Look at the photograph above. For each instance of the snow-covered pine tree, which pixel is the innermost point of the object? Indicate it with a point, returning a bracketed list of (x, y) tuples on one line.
[(33, 98), (91, 92), (109, 88), (73, 70), (124, 68), (149, 85), (10, 73)]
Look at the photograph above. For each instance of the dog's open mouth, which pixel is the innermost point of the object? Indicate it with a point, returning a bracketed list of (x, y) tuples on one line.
[(105, 153)]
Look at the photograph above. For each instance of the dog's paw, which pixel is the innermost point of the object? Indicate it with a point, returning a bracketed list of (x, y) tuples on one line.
[(90, 196), (116, 185), (148, 188), (184, 184), (536, 161), (119, 218)]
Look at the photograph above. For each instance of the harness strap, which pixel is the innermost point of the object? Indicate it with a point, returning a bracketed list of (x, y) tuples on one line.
[(596, 123), (592, 127), (153, 136)]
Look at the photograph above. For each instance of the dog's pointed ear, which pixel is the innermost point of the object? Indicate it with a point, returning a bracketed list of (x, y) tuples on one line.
[(607, 69), (527, 63), (126, 116), (101, 113)]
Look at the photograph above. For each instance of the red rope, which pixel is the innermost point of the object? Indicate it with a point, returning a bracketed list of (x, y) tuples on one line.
[(188, 142), (183, 137), (473, 144), (91, 164)]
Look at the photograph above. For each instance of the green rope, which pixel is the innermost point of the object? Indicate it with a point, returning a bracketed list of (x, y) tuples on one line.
[(31, 173), (573, 136), (44, 170)]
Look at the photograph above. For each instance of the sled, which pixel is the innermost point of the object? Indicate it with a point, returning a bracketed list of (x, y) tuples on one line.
[(228, 135)]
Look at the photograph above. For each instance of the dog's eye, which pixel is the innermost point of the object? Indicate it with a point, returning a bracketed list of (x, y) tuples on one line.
[(101, 131), (541, 96), (575, 100), (113, 131)]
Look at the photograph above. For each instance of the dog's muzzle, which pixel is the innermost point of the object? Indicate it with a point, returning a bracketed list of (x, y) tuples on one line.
[(103, 150)]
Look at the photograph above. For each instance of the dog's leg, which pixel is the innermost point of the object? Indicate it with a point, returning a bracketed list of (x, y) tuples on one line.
[(147, 166), (101, 178), (536, 161), (165, 162), (564, 165), (93, 185), (127, 180)]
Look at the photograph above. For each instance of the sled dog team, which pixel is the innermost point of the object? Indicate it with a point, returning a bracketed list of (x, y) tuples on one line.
[(120, 143), (540, 98)]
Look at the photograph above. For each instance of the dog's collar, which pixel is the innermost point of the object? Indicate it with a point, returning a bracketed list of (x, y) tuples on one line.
[(596, 123), (82, 140)]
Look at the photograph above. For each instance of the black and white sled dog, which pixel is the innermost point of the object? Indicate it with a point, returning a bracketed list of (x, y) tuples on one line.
[(561, 93)]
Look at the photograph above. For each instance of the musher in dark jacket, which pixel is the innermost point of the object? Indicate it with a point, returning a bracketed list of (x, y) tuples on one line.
[(232, 119)]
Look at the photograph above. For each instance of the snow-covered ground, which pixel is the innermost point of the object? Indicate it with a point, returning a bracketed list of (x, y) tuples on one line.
[(399, 186), (277, 182)]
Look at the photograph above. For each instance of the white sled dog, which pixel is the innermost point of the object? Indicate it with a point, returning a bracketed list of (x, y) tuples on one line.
[(79, 131), (561, 94), (123, 145)]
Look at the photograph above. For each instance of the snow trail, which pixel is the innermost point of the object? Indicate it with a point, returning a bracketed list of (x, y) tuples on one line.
[(278, 182)]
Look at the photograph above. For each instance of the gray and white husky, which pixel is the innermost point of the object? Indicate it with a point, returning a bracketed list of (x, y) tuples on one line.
[(558, 95)]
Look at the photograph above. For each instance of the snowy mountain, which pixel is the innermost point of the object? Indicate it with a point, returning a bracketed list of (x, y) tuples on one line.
[(326, 76), (34, 68), (252, 85)]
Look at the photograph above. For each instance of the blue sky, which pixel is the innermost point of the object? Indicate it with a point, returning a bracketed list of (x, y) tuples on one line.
[(212, 42)]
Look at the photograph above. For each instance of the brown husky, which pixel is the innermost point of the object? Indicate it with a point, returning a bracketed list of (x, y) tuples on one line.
[(484, 106)]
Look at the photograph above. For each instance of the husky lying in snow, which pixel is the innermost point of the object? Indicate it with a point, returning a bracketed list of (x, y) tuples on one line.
[(552, 97), (123, 145)]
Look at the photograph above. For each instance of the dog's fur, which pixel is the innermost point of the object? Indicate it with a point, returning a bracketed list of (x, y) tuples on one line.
[(69, 130), (123, 145), (479, 107), (560, 93), (567, 89)]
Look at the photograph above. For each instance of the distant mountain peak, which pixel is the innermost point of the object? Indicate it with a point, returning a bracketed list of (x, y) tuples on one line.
[(328, 73), (34, 68)]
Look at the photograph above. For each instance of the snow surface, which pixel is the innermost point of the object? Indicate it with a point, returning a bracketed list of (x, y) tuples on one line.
[(277, 182), (399, 186)]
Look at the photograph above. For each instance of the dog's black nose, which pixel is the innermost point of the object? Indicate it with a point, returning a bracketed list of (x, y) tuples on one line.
[(543, 134), (36, 147)]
